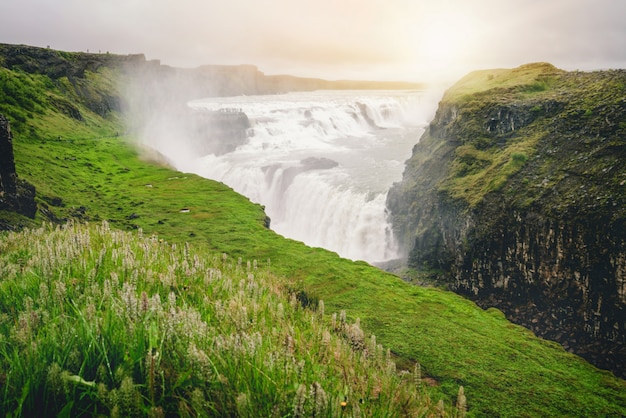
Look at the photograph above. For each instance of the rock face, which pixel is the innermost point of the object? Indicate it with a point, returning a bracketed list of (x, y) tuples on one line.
[(516, 197), (8, 177), (15, 195), (217, 132)]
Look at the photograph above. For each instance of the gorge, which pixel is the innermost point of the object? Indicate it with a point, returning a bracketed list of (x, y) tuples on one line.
[(76, 121), (513, 196)]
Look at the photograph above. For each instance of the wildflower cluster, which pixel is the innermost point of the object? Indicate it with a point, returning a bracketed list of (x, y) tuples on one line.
[(101, 322)]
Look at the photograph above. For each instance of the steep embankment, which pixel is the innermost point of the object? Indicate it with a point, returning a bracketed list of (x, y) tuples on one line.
[(516, 195), (82, 170)]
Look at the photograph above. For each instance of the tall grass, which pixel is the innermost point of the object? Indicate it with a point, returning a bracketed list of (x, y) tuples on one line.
[(95, 321)]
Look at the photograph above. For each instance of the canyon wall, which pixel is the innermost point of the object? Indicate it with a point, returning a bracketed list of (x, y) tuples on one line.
[(516, 197)]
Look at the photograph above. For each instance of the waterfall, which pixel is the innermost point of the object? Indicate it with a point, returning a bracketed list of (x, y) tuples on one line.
[(322, 162)]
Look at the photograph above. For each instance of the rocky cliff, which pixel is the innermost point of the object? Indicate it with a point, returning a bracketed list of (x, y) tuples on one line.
[(516, 197), (16, 195)]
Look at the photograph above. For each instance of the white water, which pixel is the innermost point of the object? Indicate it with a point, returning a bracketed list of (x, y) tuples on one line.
[(322, 162)]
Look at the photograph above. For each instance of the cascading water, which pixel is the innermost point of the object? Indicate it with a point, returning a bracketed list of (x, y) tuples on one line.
[(322, 162)]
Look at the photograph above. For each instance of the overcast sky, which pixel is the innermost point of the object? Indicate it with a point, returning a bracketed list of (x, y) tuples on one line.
[(413, 40)]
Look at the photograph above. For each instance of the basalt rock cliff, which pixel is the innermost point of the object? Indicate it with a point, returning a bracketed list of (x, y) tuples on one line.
[(515, 196)]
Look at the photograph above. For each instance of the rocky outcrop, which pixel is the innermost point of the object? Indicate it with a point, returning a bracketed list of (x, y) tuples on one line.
[(217, 132), (515, 197), (15, 195), (8, 177)]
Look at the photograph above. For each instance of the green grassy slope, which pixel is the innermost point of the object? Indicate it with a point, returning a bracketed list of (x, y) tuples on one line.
[(99, 322), (505, 370)]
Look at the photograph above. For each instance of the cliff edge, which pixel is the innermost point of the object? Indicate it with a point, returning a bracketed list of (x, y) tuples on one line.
[(515, 196)]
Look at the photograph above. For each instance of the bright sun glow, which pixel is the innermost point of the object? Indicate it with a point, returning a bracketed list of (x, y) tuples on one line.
[(444, 37), (443, 41)]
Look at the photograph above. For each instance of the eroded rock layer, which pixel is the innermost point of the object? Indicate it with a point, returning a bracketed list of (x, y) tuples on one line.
[(515, 197)]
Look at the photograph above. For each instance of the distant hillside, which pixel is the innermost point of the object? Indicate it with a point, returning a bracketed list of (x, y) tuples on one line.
[(206, 80), (515, 197)]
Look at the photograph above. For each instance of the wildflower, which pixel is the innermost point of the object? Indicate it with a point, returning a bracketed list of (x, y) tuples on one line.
[(155, 305), (320, 400), (325, 338), (300, 368), (289, 344), (243, 404), (44, 294), (60, 290), (372, 345), (198, 402), (417, 375), (298, 401), (342, 318), (144, 302), (356, 336), (54, 378), (201, 361), (243, 322), (131, 303), (461, 402), (90, 313), (129, 397), (102, 392), (115, 280), (171, 300)]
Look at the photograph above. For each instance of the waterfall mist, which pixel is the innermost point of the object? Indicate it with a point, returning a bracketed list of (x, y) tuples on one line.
[(320, 162)]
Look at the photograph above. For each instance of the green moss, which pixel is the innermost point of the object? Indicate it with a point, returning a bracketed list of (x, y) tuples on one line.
[(474, 173)]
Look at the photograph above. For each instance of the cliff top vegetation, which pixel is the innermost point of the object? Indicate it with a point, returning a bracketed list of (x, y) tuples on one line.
[(511, 122)]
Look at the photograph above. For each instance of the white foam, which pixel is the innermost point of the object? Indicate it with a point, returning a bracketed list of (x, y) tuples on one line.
[(342, 208)]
